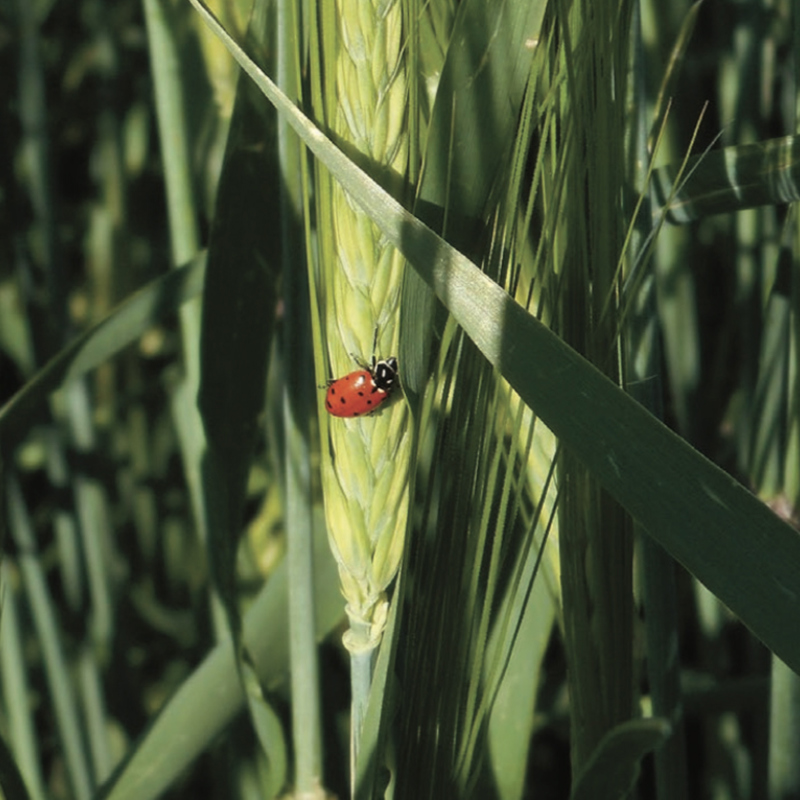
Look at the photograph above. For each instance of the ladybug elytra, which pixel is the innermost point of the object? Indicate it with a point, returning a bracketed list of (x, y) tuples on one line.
[(362, 391)]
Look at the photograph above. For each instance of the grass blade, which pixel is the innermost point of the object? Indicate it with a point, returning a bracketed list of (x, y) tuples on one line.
[(730, 179), (44, 615), (123, 326), (614, 766), (21, 725), (189, 723)]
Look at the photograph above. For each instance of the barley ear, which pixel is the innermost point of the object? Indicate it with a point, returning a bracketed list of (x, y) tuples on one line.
[(365, 460)]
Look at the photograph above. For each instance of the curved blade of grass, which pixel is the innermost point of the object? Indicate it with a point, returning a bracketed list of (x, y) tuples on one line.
[(614, 765), (124, 325), (239, 301), (298, 398), (511, 722), (213, 694), (56, 663), (731, 179), (239, 297), (704, 518)]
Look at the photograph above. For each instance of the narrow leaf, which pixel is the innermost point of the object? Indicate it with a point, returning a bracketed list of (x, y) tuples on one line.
[(124, 325), (731, 179), (614, 766)]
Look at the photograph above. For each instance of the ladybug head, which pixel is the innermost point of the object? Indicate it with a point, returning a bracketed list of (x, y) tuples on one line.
[(385, 373)]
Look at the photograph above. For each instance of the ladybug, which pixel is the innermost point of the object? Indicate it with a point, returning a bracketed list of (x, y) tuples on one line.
[(362, 391)]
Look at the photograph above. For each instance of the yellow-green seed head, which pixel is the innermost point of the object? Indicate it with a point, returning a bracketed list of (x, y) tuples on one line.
[(365, 468)]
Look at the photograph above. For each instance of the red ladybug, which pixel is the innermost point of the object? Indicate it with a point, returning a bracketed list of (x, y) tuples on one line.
[(362, 391)]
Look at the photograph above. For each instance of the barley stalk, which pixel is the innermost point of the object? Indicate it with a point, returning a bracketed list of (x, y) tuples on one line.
[(365, 469)]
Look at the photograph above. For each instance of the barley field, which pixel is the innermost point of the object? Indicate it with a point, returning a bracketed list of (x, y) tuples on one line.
[(543, 261)]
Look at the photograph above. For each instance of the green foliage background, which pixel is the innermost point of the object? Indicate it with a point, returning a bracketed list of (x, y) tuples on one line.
[(573, 275)]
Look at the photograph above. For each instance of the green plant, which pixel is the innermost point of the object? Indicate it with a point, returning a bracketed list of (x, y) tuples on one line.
[(505, 197)]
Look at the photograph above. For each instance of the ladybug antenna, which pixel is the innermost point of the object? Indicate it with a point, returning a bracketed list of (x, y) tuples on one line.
[(360, 362)]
